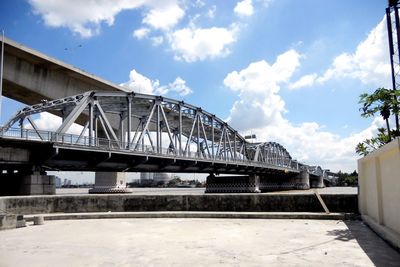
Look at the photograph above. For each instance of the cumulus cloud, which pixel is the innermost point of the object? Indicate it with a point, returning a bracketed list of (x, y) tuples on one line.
[(141, 33), (244, 8), (261, 110), (141, 84), (164, 16), (306, 80), (369, 63), (193, 44), (86, 17), (179, 86), (49, 122), (309, 143), (211, 12), (258, 86)]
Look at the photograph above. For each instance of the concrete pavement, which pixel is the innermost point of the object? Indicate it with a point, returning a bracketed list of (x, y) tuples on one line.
[(195, 242), (200, 191)]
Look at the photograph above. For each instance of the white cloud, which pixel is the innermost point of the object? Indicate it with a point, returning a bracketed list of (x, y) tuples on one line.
[(306, 80), (86, 17), (193, 44), (198, 3), (141, 33), (164, 16), (211, 12), (141, 84), (50, 122), (309, 143), (260, 110), (179, 86), (369, 63), (258, 86), (265, 2), (244, 8)]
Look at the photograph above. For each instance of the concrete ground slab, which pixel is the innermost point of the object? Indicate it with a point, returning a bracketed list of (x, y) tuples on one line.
[(194, 214), (200, 191), (195, 242)]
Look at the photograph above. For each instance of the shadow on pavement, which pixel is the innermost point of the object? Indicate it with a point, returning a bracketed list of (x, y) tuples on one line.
[(379, 252)]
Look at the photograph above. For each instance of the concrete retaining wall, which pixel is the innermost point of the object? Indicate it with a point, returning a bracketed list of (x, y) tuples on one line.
[(379, 190), (209, 202)]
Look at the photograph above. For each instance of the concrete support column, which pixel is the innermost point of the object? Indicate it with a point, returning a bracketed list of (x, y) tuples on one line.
[(38, 184), (317, 181), (109, 183), (19, 183), (233, 184), (254, 183), (302, 180)]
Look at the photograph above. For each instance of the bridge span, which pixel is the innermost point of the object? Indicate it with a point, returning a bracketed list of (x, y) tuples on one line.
[(111, 129), (154, 134)]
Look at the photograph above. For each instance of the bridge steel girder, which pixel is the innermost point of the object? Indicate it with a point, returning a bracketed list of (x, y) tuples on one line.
[(187, 131)]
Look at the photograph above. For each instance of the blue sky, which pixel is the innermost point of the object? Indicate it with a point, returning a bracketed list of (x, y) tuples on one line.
[(288, 71)]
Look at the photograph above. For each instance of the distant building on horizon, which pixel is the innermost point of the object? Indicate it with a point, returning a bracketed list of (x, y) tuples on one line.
[(156, 177), (58, 182)]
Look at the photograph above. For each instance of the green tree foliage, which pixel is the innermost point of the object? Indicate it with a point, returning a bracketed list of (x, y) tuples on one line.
[(369, 145), (348, 179), (386, 103)]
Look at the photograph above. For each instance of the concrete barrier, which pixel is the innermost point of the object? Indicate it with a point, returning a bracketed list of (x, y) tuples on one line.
[(208, 202), (8, 221), (379, 191)]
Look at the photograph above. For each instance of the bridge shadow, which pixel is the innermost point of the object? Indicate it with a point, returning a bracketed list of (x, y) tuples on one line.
[(378, 251)]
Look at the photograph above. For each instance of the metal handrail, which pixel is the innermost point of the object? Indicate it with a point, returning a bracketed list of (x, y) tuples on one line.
[(113, 145)]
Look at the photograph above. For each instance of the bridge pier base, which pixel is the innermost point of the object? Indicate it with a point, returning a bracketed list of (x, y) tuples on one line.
[(36, 183), (317, 181), (233, 184), (300, 181), (110, 183)]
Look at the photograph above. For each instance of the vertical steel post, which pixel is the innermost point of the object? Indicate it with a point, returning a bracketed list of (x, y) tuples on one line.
[(397, 19), (143, 134), (158, 129), (96, 132), (90, 124), (129, 120), (198, 134), (212, 137), (234, 145), (225, 147), (180, 129), (1, 70), (21, 124), (392, 48), (121, 129)]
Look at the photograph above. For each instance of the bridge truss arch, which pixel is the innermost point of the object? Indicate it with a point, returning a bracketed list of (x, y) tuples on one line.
[(149, 124)]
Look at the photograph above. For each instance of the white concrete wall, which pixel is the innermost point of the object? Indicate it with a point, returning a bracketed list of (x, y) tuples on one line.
[(379, 192)]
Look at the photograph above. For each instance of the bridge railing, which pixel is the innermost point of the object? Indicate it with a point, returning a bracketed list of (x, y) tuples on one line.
[(113, 145)]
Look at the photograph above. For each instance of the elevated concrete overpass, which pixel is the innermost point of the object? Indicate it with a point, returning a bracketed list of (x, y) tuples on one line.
[(30, 76)]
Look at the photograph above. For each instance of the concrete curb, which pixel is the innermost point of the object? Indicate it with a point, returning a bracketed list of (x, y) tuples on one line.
[(384, 232), (184, 214)]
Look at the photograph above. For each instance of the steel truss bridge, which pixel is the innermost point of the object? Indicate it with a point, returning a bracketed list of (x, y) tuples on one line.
[(123, 131)]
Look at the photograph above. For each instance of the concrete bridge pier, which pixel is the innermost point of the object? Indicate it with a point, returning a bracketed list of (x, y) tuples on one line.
[(317, 181), (302, 180), (17, 182), (233, 184), (109, 183)]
